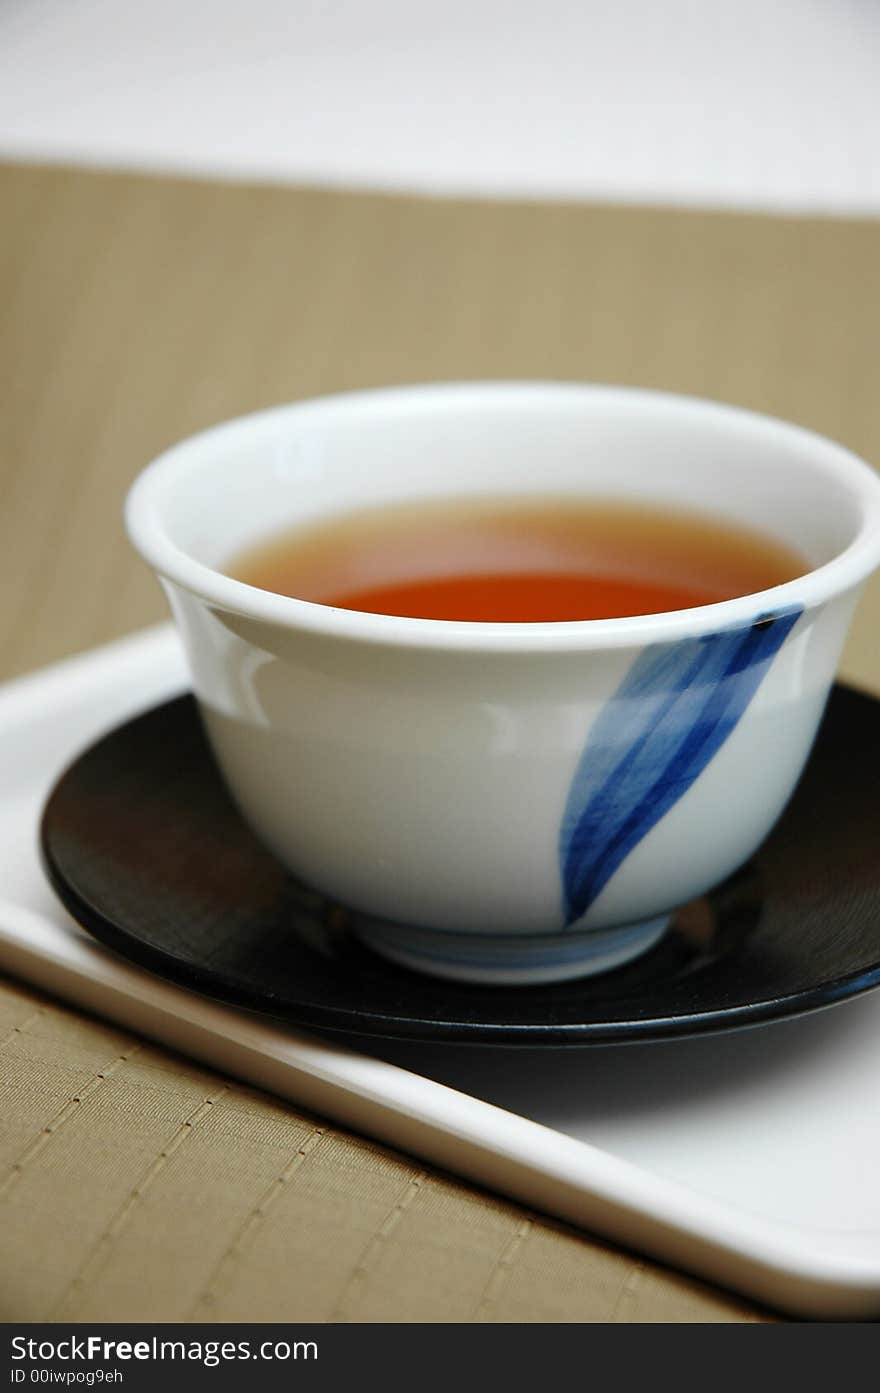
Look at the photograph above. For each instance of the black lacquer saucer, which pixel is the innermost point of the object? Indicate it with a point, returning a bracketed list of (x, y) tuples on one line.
[(146, 850)]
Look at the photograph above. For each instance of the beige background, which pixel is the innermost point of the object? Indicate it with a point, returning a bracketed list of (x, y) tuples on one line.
[(132, 311)]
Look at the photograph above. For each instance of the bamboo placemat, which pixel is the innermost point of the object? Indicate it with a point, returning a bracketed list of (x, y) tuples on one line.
[(134, 1186)]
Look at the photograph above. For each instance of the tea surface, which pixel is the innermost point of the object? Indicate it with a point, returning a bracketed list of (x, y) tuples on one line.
[(530, 560)]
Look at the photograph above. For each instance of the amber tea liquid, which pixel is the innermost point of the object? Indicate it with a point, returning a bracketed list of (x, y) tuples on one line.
[(531, 560)]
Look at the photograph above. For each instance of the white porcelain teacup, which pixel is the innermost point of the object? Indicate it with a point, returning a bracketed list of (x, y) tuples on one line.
[(508, 802)]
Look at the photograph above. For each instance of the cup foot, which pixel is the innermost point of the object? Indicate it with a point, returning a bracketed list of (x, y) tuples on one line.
[(512, 959)]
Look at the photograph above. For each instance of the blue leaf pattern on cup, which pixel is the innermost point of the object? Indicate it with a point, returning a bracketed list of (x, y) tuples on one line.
[(671, 713)]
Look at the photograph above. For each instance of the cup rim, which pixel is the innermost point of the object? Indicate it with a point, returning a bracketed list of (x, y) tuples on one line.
[(847, 569)]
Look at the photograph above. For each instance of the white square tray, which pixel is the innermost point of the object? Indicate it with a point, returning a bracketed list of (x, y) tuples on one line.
[(750, 1158)]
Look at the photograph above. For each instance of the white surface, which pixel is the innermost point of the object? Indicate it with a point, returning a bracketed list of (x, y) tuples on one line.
[(737, 102), (750, 1158)]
